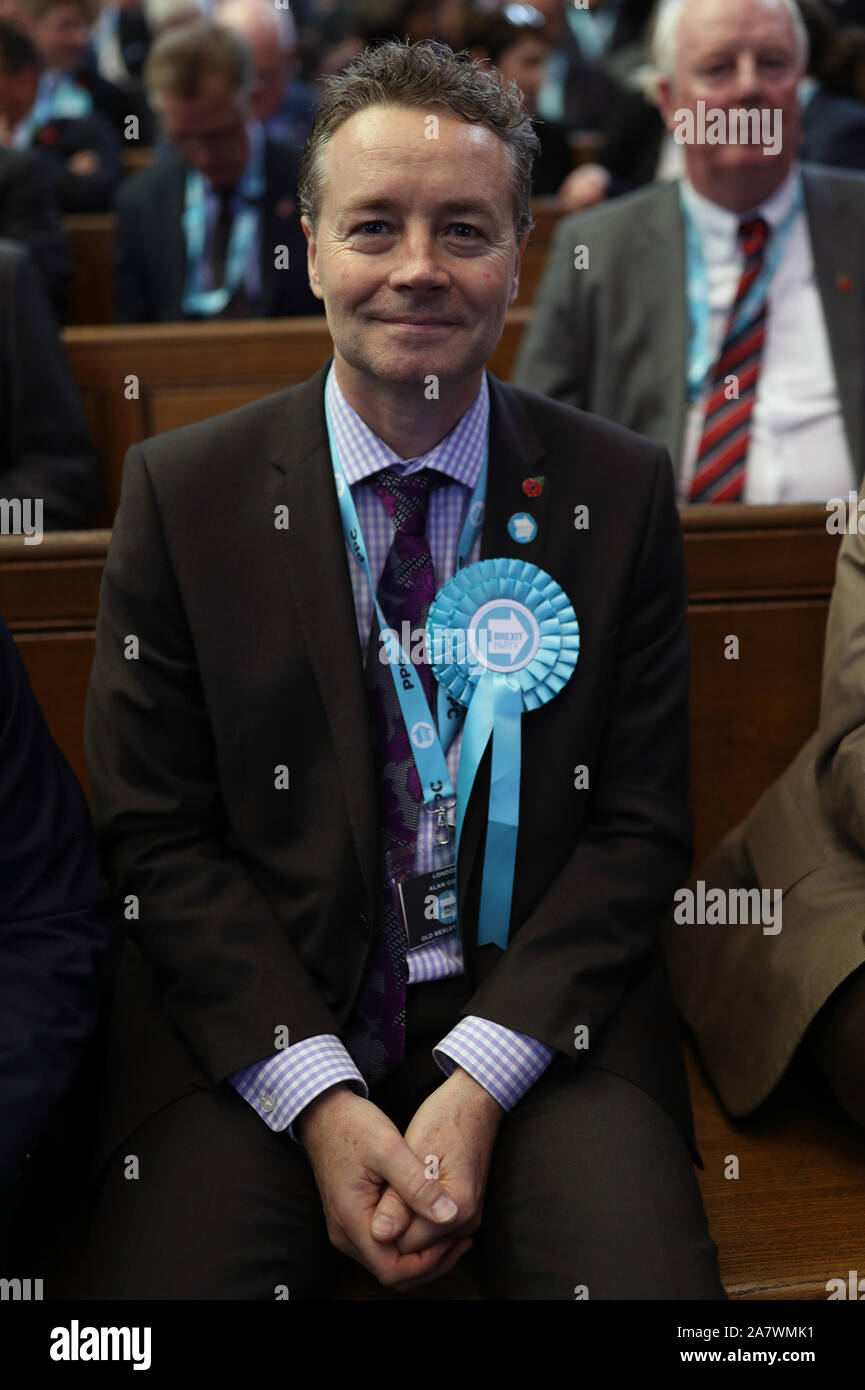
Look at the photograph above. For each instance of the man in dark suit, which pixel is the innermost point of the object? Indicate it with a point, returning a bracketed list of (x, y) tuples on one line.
[(47, 459), (62, 31), (617, 324), (55, 923), (248, 789), (72, 139), (211, 229)]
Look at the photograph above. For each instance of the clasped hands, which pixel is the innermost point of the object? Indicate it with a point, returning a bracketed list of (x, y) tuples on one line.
[(369, 1175)]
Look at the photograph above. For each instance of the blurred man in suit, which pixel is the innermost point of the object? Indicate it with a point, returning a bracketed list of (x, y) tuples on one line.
[(541, 1066), (74, 142), (723, 316), (211, 230), (751, 997), (283, 106), (55, 924), (47, 459), (62, 31)]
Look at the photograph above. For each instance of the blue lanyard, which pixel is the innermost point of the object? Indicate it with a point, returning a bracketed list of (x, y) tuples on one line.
[(426, 746), (700, 356), (58, 98), (241, 243)]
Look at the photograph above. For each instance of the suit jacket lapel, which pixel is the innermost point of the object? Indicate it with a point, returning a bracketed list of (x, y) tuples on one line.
[(316, 567), (836, 243), (659, 268)]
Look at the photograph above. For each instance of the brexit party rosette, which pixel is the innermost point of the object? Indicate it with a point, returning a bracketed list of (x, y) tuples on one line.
[(503, 640)]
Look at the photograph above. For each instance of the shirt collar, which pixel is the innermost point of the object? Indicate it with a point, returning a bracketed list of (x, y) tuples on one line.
[(717, 224), (362, 452)]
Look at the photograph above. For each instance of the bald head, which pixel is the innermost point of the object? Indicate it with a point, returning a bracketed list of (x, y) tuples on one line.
[(676, 22), (732, 59), (271, 40), (258, 22)]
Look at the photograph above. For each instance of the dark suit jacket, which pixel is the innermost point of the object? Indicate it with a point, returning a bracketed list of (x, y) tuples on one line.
[(45, 447), (833, 131), (150, 250), (58, 140), (55, 918), (612, 337), (117, 104), (30, 214), (255, 905)]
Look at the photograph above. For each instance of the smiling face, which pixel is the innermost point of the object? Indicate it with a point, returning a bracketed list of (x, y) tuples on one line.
[(414, 254), (735, 54)]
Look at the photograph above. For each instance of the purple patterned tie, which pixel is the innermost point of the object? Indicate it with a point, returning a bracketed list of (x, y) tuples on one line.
[(375, 1032)]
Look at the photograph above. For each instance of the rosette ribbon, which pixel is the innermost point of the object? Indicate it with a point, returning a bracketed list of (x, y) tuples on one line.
[(503, 640)]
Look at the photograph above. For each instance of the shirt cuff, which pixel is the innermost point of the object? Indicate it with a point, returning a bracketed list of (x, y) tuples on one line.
[(283, 1085), (505, 1063)]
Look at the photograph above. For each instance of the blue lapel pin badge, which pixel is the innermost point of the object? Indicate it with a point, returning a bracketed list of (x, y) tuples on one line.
[(522, 527)]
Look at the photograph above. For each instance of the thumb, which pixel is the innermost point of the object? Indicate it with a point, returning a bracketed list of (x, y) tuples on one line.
[(426, 1196), (391, 1218)]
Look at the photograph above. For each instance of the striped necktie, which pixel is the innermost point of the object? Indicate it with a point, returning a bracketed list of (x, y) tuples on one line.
[(719, 474), (375, 1032)]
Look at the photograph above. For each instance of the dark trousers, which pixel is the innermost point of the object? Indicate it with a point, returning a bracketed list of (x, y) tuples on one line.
[(591, 1184)]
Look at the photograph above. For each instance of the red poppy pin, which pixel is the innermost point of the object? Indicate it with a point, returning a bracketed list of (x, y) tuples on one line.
[(533, 487), (844, 283), (47, 135)]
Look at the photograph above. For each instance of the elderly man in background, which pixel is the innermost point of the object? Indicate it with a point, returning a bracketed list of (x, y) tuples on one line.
[(211, 230), (722, 315), (283, 106)]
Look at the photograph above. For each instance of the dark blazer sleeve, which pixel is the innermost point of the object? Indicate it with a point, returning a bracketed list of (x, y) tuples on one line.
[(131, 300), (833, 129), (571, 962), (30, 214), (223, 960), (55, 916), (46, 448), (87, 192)]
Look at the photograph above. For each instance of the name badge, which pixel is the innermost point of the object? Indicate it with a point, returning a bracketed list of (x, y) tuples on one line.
[(426, 903)]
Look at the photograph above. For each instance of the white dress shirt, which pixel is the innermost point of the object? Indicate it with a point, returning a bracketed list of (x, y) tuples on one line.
[(798, 450)]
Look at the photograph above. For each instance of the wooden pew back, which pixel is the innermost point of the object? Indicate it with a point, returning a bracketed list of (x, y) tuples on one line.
[(761, 574), (136, 380), (91, 241)]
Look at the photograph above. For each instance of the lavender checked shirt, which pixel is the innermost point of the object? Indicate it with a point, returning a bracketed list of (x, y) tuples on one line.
[(504, 1062)]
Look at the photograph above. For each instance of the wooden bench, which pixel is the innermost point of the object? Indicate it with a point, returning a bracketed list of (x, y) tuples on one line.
[(763, 574), (91, 243), (191, 371), (91, 239)]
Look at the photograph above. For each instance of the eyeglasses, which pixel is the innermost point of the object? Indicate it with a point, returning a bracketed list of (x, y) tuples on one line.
[(210, 139)]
